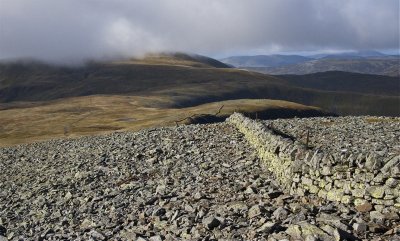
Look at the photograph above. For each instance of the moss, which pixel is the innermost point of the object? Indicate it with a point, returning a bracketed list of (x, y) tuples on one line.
[(313, 189), (359, 201), (347, 199), (335, 195), (358, 192), (322, 193), (376, 191)]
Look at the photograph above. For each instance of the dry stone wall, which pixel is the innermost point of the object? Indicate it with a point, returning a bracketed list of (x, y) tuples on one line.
[(302, 170)]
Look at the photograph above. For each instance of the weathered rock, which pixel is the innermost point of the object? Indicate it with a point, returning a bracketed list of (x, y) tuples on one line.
[(377, 217), (360, 228), (280, 213), (254, 211), (376, 191), (373, 162), (155, 238), (267, 227), (392, 182), (68, 196), (394, 162), (305, 230), (97, 235)]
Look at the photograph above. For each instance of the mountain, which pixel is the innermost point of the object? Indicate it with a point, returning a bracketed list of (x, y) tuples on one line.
[(40, 101), (264, 60), (387, 65), (350, 55), (183, 59), (176, 81)]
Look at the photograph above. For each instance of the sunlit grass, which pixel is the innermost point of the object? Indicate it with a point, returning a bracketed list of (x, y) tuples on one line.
[(90, 115)]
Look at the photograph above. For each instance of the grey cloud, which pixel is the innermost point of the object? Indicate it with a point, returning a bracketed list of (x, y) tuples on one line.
[(70, 30)]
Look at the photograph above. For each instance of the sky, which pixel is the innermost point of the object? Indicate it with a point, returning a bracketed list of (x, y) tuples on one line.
[(79, 30)]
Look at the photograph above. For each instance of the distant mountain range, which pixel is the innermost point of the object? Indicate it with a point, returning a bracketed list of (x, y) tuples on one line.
[(366, 62), (354, 54)]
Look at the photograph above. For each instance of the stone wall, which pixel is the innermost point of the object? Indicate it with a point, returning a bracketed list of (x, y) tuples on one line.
[(301, 170)]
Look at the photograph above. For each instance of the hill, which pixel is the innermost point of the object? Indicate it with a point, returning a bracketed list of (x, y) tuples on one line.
[(178, 59), (175, 82), (372, 65), (72, 117), (347, 82), (264, 60)]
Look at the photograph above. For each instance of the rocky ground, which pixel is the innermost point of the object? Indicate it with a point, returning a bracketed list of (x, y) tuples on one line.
[(196, 182), (345, 136)]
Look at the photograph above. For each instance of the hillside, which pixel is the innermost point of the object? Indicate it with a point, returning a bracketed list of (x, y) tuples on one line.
[(73, 117), (179, 59), (174, 82), (347, 82), (373, 65), (264, 60)]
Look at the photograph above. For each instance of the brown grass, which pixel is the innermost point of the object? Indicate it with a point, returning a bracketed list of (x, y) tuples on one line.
[(73, 117)]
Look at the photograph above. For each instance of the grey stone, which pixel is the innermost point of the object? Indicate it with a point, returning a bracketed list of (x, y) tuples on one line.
[(155, 238), (392, 182), (280, 213), (198, 196), (326, 171), (373, 162), (377, 217), (189, 208), (97, 235), (360, 227), (267, 227), (254, 211), (68, 196), (394, 162), (304, 229)]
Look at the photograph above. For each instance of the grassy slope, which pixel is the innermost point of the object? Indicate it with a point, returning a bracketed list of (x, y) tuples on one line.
[(347, 82), (98, 114)]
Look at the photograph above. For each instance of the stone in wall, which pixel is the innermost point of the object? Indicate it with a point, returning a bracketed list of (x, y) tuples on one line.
[(347, 159)]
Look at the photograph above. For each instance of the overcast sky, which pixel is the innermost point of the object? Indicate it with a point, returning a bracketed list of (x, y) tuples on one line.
[(70, 30)]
